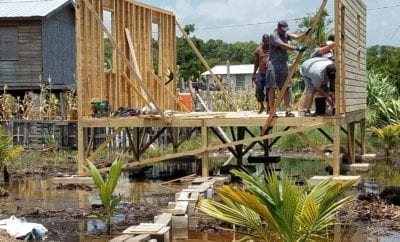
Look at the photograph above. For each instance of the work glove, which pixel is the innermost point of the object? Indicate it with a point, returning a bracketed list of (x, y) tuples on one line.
[(301, 48)]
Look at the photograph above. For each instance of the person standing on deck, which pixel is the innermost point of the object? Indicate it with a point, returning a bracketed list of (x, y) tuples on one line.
[(277, 66), (261, 56)]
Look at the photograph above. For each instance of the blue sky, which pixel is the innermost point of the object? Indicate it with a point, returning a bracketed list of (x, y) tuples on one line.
[(250, 19)]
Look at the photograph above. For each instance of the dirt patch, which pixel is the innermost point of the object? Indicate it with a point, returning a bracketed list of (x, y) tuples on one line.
[(372, 211)]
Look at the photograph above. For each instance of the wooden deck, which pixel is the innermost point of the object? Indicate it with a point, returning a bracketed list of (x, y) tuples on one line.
[(238, 121)]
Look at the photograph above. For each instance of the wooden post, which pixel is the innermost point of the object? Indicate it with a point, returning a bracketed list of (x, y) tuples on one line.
[(351, 143), (362, 133), (81, 149), (336, 149), (204, 157)]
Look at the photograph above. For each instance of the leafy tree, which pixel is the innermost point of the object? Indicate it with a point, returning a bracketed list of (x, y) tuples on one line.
[(189, 66), (321, 32), (385, 60), (276, 210)]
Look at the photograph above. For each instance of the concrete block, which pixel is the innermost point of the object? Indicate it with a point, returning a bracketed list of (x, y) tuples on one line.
[(179, 221), (191, 210), (210, 193), (139, 238), (179, 233), (171, 205), (361, 167), (317, 179), (162, 236), (164, 218), (365, 157)]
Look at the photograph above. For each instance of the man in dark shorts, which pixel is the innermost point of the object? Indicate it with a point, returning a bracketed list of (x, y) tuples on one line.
[(277, 66), (259, 78)]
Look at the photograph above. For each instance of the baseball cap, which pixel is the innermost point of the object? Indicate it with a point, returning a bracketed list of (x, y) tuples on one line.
[(283, 25)]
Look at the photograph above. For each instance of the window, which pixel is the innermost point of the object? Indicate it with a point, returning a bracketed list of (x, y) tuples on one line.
[(240, 80)]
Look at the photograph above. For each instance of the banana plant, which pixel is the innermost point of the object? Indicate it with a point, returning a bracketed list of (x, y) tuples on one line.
[(106, 190), (389, 135), (278, 210)]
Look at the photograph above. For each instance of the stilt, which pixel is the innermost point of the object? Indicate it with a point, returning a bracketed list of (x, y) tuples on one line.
[(336, 149), (81, 150), (204, 158), (351, 143), (362, 133)]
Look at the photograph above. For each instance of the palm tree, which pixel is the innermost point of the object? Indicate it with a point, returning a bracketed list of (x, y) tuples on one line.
[(106, 190), (278, 210), (389, 136), (7, 152)]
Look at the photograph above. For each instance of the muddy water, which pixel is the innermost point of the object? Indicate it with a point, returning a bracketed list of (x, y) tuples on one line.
[(39, 196)]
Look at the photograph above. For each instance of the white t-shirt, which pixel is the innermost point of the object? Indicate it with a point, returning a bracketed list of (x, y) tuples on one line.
[(314, 69)]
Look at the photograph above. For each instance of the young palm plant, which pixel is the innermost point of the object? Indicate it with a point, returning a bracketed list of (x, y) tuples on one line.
[(106, 190), (389, 135), (7, 152), (278, 210)]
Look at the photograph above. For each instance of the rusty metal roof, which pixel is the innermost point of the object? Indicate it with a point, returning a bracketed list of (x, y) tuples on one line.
[(30, 8)]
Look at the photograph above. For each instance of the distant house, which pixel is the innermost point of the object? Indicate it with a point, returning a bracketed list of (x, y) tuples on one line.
[(37, 38), (240, 75)]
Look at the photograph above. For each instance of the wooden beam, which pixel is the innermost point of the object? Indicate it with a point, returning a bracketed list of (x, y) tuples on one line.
[(315, 148), (223, 146), (336, 149), (351, 143), (362, 134), (177, 100), (204, 62), (104, 144), (293, 68), (145, 92), (204, 155)]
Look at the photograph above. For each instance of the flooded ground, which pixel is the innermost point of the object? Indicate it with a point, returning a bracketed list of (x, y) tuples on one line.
[(64, 212)]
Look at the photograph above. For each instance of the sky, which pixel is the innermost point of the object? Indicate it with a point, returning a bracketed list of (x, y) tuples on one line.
[(246, 20)]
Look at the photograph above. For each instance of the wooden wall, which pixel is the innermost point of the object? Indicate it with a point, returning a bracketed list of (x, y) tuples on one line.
[(59, 47), (351, 55), (120, 86), (23, 65)]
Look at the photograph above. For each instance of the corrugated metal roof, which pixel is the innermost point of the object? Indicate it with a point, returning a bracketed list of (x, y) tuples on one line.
[(233, 69), (29, 8)]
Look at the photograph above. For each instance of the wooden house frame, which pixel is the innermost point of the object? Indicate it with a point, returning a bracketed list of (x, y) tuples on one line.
[(133, 83)]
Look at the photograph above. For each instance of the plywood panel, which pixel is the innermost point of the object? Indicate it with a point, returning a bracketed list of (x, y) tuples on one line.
[(350, 23)]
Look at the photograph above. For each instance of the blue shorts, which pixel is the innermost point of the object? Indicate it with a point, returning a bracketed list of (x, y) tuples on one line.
[(309, 86), (276, 75)]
